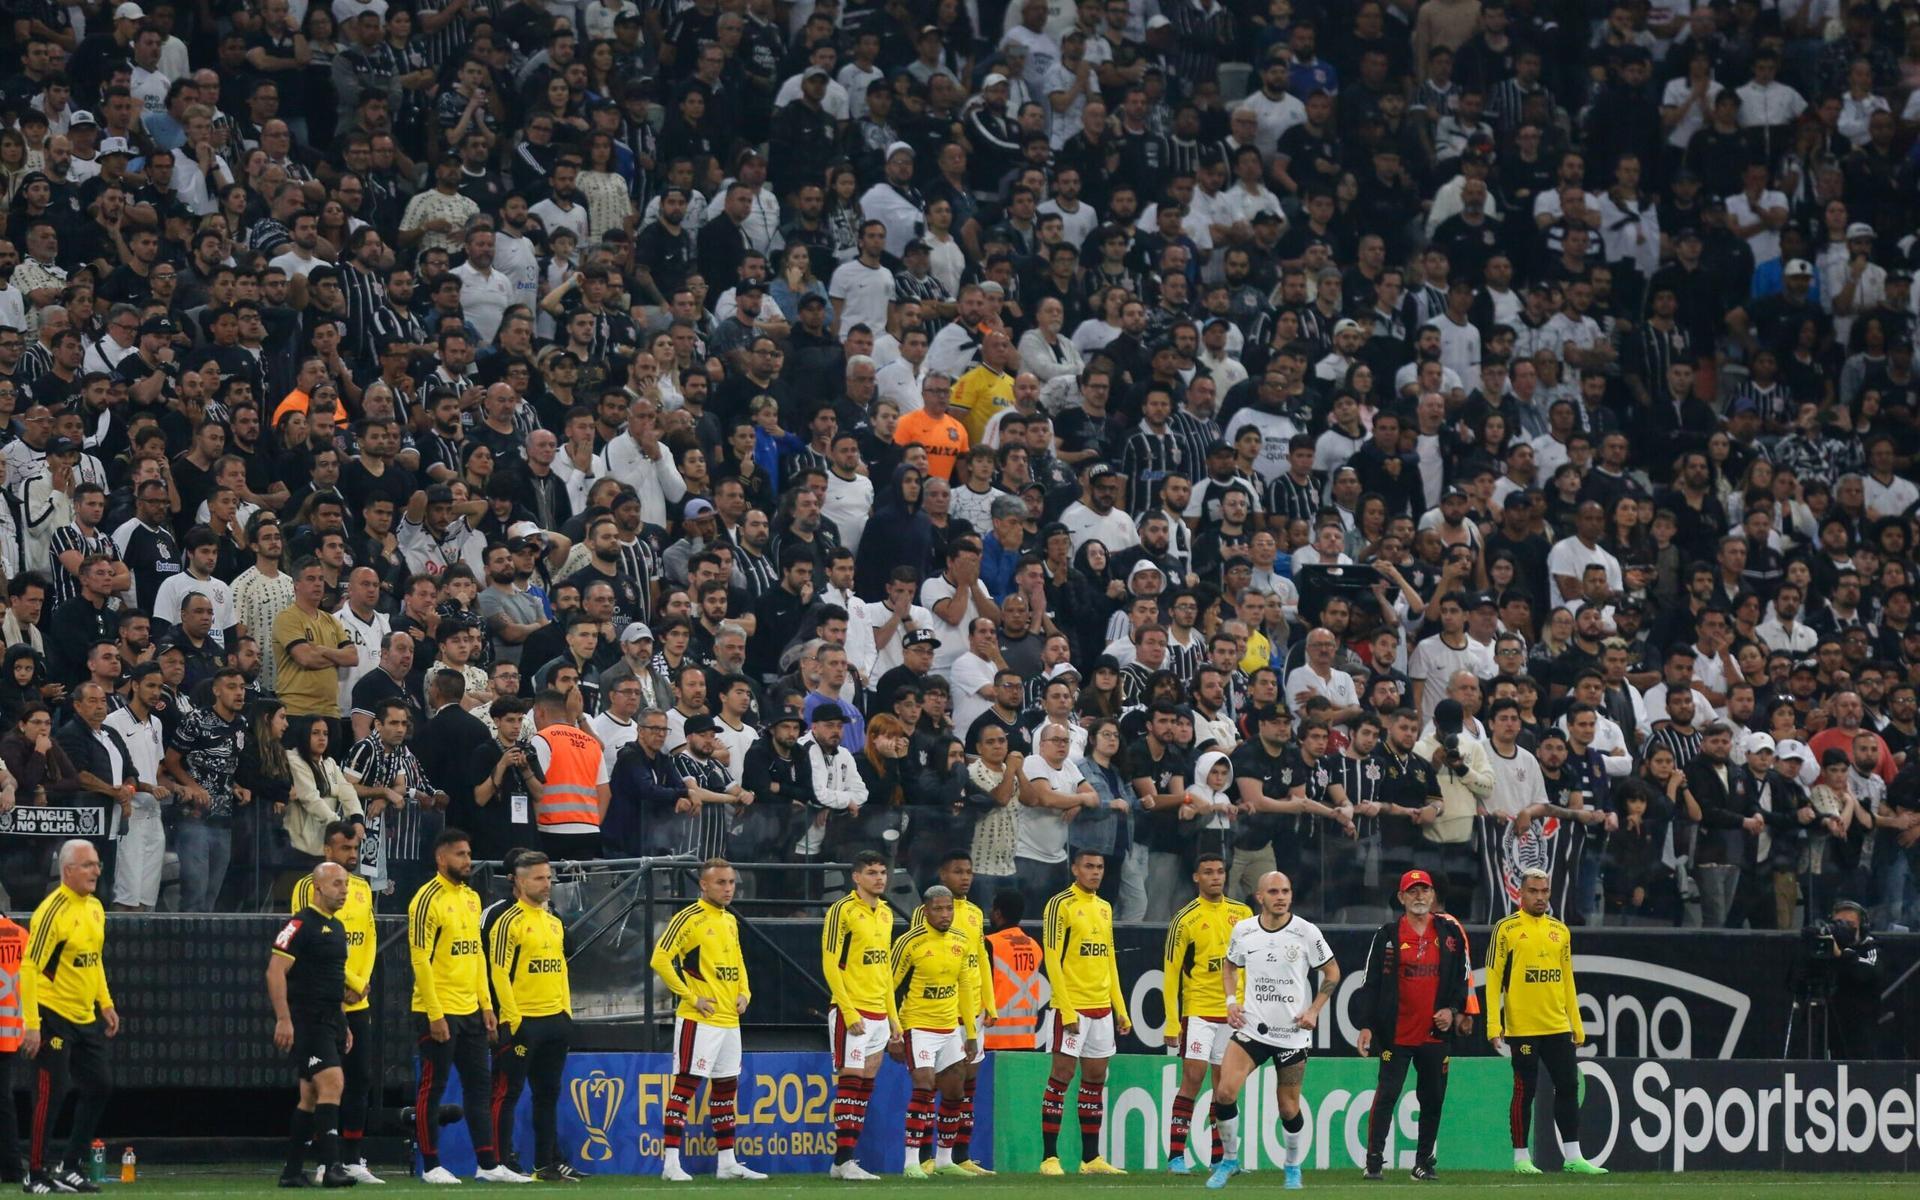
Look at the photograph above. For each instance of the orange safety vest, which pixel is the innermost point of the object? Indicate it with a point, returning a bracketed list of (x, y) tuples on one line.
[(572, 792), (13, 1018), (1016, 990)]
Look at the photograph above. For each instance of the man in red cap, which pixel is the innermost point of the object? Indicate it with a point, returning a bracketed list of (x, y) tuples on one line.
[(1416, 997)]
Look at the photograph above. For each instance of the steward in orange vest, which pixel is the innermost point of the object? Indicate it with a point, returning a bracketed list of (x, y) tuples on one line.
[(571, 798), (13, 1030), (1016, 979)]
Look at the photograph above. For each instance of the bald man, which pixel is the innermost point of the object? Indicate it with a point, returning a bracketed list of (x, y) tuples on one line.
[(307, 983)]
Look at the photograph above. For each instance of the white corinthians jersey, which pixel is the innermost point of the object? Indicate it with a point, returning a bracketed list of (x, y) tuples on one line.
[(1278, 963)]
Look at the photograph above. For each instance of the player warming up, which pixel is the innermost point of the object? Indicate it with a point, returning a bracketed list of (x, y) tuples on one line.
[(356, 917), (1533, 1012), (956, 875), (452, 1015), (1276, 952), (936, 979), (699, 958), (1197, 1002), (307, 984), (865, 1022), (1410, 1006), (1089, 1011)]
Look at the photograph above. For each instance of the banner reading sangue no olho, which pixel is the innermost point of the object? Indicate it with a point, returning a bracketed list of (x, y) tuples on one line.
[(1712, 1116), (612, 1108)]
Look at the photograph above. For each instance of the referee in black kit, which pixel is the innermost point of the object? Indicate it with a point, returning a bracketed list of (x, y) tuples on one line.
[(307, 982)]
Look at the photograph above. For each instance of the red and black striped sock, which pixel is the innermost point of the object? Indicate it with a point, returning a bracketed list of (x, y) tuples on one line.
[(919, 1118), (720, 1101), (849, 1114), (1053, 1106), (950, 1121), (1090, 1117), (964, 1138), (679, 1104), (1177, 1127)]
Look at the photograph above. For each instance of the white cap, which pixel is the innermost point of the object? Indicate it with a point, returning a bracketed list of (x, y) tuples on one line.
[(524, 529), (79, 117), (1158, 22), (1346, 324), (992, 80), (1791, 749), (635, 632), (900, 148), (1759, 742), (1860, 229), (114, 145), (1798, 266), (129, 12)]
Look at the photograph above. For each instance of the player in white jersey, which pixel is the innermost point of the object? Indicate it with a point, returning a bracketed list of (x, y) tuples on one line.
[(1278, 952)]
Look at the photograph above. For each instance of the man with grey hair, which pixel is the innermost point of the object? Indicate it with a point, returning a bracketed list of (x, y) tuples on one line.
[(67, 1030), (122, 337), (621, 693), (1052, 791)]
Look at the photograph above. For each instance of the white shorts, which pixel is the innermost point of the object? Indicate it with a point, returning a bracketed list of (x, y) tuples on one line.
[(1205, 1040), (857, 1051), (935, 1048), (1092, 1037), (706, 1051)]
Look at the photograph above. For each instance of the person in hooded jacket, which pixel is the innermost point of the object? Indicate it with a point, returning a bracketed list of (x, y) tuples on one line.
[(1210, 805), (908, 536)]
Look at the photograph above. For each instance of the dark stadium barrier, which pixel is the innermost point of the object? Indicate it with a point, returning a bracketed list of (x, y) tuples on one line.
[(1645, 993)]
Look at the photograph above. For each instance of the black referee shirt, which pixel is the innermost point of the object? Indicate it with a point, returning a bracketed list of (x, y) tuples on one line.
[(317, 981)]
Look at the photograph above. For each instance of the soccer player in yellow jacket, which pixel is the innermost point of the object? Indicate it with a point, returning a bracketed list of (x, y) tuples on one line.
[(1534, 1012), (1197, 1000), (453, 1017), (699, 958), (342, 848), (936, 977), (69, 1017), (956, 875), (864, 1023), (1089, 1011), (527, 962)]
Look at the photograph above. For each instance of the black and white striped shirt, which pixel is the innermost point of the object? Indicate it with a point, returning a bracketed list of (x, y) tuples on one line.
[(1289, 498), (448, 41), (1146, 458), (1659, 349), (1685, 746), (753, 573), (65, 585), (1197, 435), (369, 761), (366, 296)]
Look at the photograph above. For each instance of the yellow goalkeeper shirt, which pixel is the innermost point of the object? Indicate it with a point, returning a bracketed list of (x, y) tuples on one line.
[(935, 981), (527, 955), (698, 955), (970, 922), (443, 940), (853, 956), (1077, 942), (1196, 947), (1530, 979)]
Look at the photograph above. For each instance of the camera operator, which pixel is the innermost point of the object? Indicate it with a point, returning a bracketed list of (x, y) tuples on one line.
[(1465, 780), (1853, 1015)]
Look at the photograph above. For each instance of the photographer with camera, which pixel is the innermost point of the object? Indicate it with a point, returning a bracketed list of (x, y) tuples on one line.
[(1465, 779), (1843, 949)]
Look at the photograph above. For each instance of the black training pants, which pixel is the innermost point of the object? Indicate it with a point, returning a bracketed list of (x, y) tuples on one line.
[(72, 1059), (357, 1068), (537, 1051), (466, 1050), (1554, 1051), (1430, 1064)]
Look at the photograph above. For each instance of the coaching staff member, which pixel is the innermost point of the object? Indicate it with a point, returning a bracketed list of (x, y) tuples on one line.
[(307, 983), (1532, 1004), (72, 1018), (1410, 1005), (527, 959), (452, 1016), (342, 849)]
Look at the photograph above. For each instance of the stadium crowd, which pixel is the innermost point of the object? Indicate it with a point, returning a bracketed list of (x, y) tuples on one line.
[(1469, 434)]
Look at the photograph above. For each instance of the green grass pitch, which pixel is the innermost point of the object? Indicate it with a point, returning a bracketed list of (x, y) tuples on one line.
[(1742, 1185)]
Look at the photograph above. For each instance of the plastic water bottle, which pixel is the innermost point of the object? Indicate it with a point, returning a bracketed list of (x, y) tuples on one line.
[(97, 1162), (128, 1165)]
